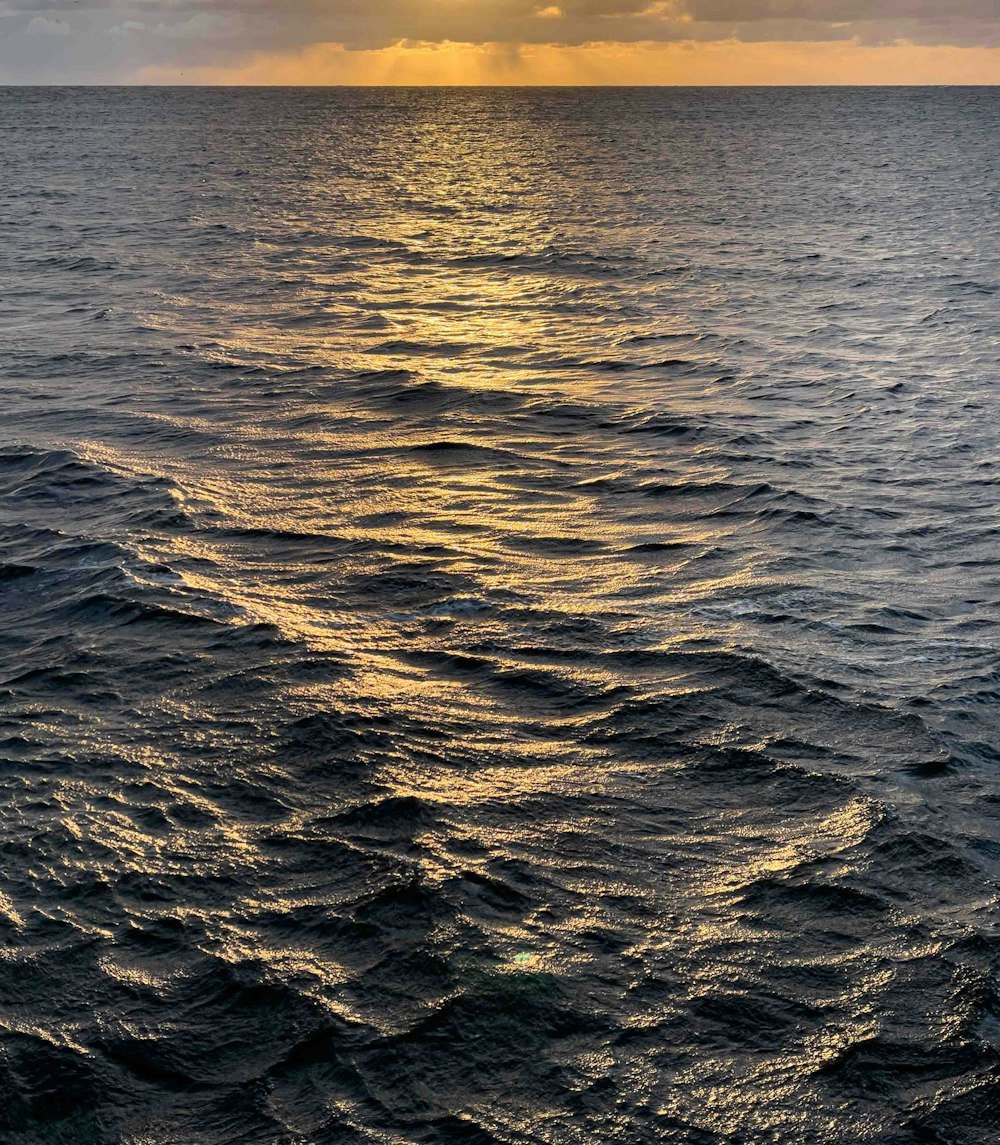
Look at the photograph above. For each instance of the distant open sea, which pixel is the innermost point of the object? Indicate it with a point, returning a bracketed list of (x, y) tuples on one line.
[(499, 616)]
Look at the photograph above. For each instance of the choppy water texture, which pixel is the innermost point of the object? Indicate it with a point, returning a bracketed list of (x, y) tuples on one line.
[(500, 612)]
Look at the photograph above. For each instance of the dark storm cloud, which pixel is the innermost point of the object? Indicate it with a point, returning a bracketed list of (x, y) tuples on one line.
[(74, 38)]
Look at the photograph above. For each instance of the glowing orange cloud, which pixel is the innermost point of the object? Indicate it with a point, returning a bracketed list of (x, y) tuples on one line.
[(722, 62)]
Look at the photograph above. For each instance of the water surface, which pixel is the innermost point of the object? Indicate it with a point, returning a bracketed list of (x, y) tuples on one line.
[(500, 614)]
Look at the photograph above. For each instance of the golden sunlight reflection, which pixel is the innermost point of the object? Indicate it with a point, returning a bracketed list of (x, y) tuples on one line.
[(423, 408)]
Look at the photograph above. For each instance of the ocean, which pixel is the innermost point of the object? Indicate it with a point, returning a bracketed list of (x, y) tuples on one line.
[(499, 616)]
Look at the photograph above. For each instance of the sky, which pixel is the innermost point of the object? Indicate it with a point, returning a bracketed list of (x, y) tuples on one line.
[(500, 41)]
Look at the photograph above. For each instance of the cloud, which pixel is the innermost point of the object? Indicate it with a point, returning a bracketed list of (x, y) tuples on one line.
[(112, 39), (44, 26), (713, 62)]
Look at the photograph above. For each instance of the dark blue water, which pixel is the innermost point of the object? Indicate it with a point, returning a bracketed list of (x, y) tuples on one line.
[(500, 617)]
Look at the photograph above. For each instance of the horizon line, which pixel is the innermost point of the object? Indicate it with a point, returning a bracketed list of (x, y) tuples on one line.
[(8, 85)]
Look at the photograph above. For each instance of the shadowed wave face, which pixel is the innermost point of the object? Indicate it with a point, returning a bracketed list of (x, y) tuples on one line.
[(499, 617)]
